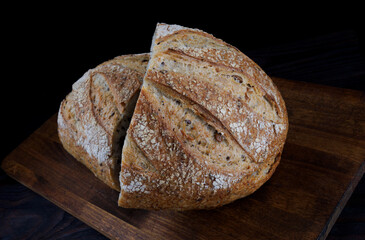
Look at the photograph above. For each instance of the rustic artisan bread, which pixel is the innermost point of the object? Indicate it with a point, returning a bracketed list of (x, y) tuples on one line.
[(208, 128), (94, 117)]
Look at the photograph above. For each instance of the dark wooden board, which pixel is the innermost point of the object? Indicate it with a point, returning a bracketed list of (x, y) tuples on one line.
[(322, 162)]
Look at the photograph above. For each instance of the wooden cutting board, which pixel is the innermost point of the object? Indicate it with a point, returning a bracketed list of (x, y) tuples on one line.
[(322, 162)]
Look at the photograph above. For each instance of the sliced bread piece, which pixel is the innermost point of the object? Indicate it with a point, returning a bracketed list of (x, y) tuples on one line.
[(94, 117)]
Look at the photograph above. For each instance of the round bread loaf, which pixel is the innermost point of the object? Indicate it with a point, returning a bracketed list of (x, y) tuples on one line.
[(209, 126)]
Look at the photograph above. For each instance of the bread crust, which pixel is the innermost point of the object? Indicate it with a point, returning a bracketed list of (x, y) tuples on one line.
[(90, 117), (222, 90)]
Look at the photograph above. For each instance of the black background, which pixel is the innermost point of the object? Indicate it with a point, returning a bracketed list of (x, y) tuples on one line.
[(47, 48)]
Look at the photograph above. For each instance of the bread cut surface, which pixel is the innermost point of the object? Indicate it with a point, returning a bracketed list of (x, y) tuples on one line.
[(208, 128), (94, 117)]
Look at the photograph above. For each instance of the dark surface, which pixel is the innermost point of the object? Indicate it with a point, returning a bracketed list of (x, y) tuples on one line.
[(50, 56)]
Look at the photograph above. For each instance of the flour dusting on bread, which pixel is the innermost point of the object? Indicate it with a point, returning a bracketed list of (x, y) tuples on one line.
[(94, 117)]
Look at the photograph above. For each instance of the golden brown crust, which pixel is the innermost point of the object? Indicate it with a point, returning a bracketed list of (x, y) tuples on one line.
[(90, 118), (231, 109), (219, 52), (228, 99)]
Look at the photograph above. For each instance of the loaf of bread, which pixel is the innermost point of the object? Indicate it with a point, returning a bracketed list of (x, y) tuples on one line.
[(209, 125), (208, 128), (94, 117)]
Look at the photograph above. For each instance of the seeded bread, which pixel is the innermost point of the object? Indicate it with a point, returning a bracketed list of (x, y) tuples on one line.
[(94, 117), (209, 126)]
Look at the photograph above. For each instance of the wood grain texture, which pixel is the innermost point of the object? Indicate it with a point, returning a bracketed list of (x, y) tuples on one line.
[(322, 162)]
